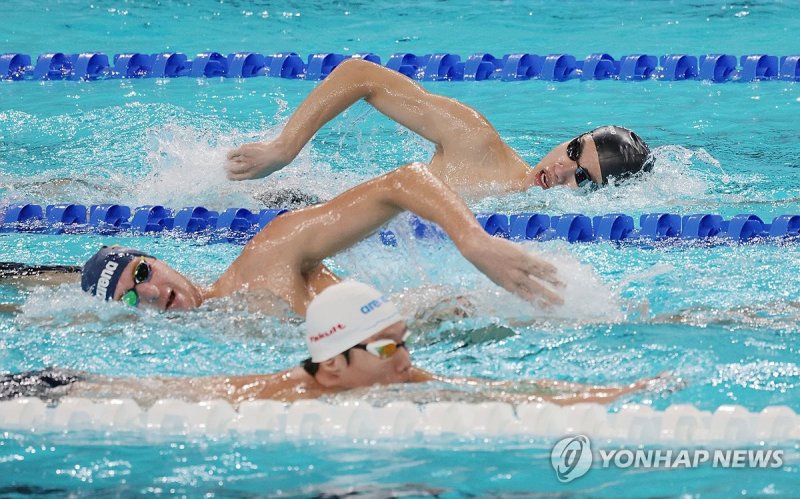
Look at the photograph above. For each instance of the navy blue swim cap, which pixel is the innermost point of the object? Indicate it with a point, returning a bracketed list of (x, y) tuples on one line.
[(622, 153), (102, 272)]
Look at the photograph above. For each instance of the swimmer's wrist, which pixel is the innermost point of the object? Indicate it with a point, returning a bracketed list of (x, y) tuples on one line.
[(471, 241)]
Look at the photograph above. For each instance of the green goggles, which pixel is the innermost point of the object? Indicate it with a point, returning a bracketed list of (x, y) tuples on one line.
[(141, 273)]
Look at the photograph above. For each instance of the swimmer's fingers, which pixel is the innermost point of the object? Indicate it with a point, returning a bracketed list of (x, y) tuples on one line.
[(530, 274), (237, 168), (542, 295), (234, 153), (532, 290), (544, 271), (235, 171), (255, 160), (238, 176)]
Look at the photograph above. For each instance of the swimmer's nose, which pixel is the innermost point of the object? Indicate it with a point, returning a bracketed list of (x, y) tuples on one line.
[(563, 171), (404, 360)]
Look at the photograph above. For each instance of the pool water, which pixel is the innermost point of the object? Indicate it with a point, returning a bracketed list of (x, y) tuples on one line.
[(723, 316)]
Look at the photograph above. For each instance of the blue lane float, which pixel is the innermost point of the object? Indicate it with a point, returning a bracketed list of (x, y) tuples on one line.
[(637, 67), (676, 67), (438, 66), (238, 225), (599, 67)]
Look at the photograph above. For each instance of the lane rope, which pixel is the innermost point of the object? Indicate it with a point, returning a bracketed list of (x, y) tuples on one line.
[(238, 225), (91, 66), (678, 423)]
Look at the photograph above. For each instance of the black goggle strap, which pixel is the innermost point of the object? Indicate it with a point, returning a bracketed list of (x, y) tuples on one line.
[(582, 177)]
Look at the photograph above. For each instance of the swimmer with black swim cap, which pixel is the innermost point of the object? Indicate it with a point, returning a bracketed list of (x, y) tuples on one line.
[(621, 152), (594, 159), (470, 156)]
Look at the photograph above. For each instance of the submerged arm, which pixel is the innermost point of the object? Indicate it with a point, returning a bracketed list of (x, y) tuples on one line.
[(556, 392), (441, 120)]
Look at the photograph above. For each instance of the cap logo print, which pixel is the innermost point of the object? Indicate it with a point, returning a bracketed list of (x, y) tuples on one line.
[(325, 334), (369, 307), (105, 278)]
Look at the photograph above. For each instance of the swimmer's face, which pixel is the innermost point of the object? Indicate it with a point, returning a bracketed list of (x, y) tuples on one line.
[(556, 168), (365, 369), (163, 288)]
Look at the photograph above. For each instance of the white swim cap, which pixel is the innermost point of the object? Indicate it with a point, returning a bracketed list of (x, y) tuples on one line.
[(344, 315)]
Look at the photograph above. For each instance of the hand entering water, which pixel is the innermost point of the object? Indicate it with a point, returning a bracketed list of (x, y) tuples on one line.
[(518, 271), (256, 160)]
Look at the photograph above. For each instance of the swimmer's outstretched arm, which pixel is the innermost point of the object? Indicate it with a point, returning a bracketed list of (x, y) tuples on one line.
[(297, 242), (444, 121), (556, 392)]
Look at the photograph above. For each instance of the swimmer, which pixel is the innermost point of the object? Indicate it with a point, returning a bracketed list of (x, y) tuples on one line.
[(356, 339), (284, 260), (470, 156)]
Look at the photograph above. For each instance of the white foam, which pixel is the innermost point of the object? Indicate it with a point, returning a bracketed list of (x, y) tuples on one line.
[(586, 297), (312, 419)]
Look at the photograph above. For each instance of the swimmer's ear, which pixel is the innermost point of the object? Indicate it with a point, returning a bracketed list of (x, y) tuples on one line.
[(329, 373)]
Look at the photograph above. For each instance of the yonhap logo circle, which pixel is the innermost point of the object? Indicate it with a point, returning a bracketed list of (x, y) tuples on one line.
[(571, 457)]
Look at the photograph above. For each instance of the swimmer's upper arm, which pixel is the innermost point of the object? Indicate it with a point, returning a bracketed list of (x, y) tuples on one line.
[(442, 120), (323, 230), (308, 236)]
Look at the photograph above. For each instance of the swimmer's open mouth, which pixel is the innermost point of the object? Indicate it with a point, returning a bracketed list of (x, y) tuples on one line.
[(543, 180), (170, 300)]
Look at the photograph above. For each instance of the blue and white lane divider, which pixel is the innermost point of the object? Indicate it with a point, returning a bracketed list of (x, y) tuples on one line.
[(238, 225), (441, 66), (677, 424)]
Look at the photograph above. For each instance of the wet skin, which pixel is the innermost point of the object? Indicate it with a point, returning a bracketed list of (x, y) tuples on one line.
[(470, 156), (165, 289), (285, 257)]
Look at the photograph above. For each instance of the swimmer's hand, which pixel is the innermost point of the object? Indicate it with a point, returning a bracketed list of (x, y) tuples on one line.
[(508, 265), (256, 160)]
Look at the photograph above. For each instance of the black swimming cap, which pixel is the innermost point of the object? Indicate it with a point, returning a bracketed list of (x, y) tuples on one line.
[(621, 152), (102, 272)]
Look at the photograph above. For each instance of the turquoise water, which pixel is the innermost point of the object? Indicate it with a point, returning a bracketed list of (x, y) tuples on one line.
[(723, 317)]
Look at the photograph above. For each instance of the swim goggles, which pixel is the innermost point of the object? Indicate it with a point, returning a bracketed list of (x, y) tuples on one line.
[(141, 273), (383, 349), (574, 150)]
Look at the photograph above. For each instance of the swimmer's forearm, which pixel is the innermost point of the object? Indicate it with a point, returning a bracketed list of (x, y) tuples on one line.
[(416, 189), (346, 85), (434, 117), (555, 392), (323, 230)]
